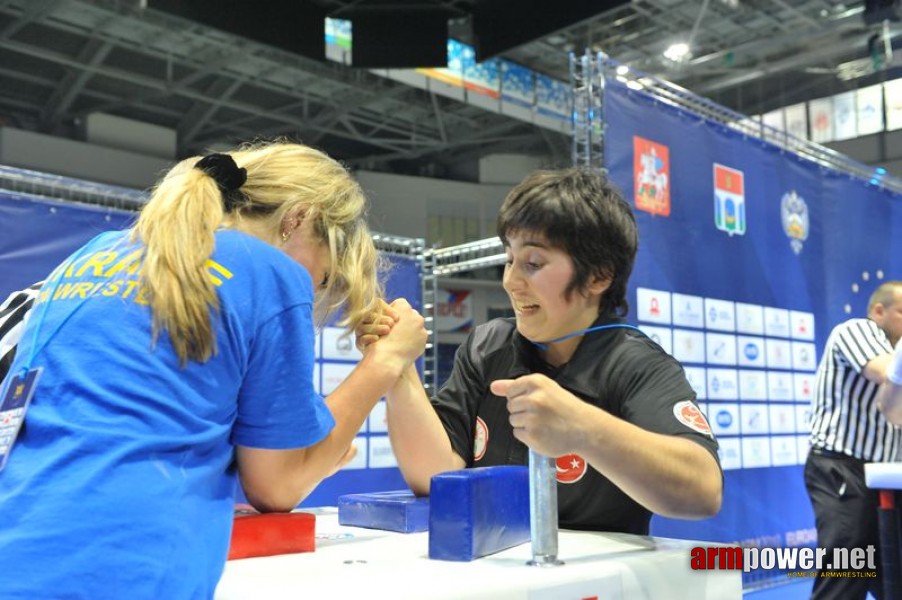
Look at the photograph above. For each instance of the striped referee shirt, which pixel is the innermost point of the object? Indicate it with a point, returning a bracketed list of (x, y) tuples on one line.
[(845, 417), (13, 315)]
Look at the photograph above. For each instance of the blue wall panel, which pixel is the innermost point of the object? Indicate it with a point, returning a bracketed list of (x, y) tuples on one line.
[(844, 248)]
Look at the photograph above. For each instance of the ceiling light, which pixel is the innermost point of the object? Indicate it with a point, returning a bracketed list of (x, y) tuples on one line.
[(677, 52)]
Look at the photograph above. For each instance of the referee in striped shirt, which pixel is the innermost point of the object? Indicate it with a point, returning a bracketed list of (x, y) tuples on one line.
[(849, 429), (13, 315)]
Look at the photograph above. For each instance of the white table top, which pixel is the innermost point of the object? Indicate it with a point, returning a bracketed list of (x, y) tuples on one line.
[(352, 562), (883, 476)]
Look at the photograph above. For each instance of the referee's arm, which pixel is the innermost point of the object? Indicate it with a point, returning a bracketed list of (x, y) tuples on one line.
[(877, 368), (13, 314), (889, 398)]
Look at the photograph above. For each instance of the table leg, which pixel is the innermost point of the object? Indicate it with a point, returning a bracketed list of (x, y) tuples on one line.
[(890, 541)]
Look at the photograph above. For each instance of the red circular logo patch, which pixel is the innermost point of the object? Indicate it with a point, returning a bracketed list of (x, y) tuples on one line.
[(570, 468), (689, 415)]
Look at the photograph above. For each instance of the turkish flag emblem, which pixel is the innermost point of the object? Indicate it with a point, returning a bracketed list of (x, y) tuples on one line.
[(570, 468), (480, 439), (689, 415)]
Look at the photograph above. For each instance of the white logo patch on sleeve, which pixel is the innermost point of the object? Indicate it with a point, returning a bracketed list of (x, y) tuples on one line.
[(480, 439)]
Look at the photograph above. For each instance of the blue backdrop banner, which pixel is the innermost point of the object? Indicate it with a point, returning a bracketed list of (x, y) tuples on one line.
[(38, 233), (749, 255)]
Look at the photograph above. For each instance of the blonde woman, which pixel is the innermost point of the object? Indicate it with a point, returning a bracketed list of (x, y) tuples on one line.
[(175, 360)]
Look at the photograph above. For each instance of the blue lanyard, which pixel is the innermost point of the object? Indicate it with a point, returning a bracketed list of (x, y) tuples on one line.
[(544, 345), (61, 270)]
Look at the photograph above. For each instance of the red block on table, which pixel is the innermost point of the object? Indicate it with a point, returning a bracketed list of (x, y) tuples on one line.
[(268, 534)]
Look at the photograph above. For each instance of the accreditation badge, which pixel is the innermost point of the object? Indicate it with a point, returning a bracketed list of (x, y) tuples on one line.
[(12, 410)]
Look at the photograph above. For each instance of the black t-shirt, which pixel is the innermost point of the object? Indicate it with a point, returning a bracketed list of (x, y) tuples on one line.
[(619, 370)]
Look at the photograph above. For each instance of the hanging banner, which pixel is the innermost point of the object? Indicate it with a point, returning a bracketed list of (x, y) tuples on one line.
[(845, 121), (869, 101), (797, 121), (820, 113), (454, 312), (738, 281), (892, 91), (38, 234), (775, 119)]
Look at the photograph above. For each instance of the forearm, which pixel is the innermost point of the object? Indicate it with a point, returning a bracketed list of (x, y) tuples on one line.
[(278, 480), (668, 475), (889, 398), (418, 439), (350, 404)]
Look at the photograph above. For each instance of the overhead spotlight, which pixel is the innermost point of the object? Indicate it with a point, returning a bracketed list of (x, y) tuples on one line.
[(677, 52)]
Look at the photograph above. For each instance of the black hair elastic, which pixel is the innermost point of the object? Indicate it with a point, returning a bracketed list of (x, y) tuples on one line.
[(228, 177)]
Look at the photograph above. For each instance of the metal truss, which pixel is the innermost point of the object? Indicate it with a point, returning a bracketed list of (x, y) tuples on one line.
[(587, 81), (674, 95)]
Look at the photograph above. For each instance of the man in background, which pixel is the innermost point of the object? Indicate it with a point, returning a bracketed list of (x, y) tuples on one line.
[(13, 314), (848, 429)]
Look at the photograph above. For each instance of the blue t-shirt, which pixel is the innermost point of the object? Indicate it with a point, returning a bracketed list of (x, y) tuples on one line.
[(122, 481)]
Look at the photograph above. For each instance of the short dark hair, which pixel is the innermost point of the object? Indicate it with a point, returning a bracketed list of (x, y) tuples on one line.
[(581, 212)]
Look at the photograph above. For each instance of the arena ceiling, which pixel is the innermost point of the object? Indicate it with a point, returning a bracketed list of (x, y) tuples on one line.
[(61, 60)]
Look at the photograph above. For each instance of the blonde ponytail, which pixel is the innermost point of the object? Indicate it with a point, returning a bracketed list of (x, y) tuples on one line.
[(176, 227)]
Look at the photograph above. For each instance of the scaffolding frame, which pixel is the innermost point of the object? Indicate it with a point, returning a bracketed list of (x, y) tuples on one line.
[(674, 95), (70, 189), (587, 82)]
